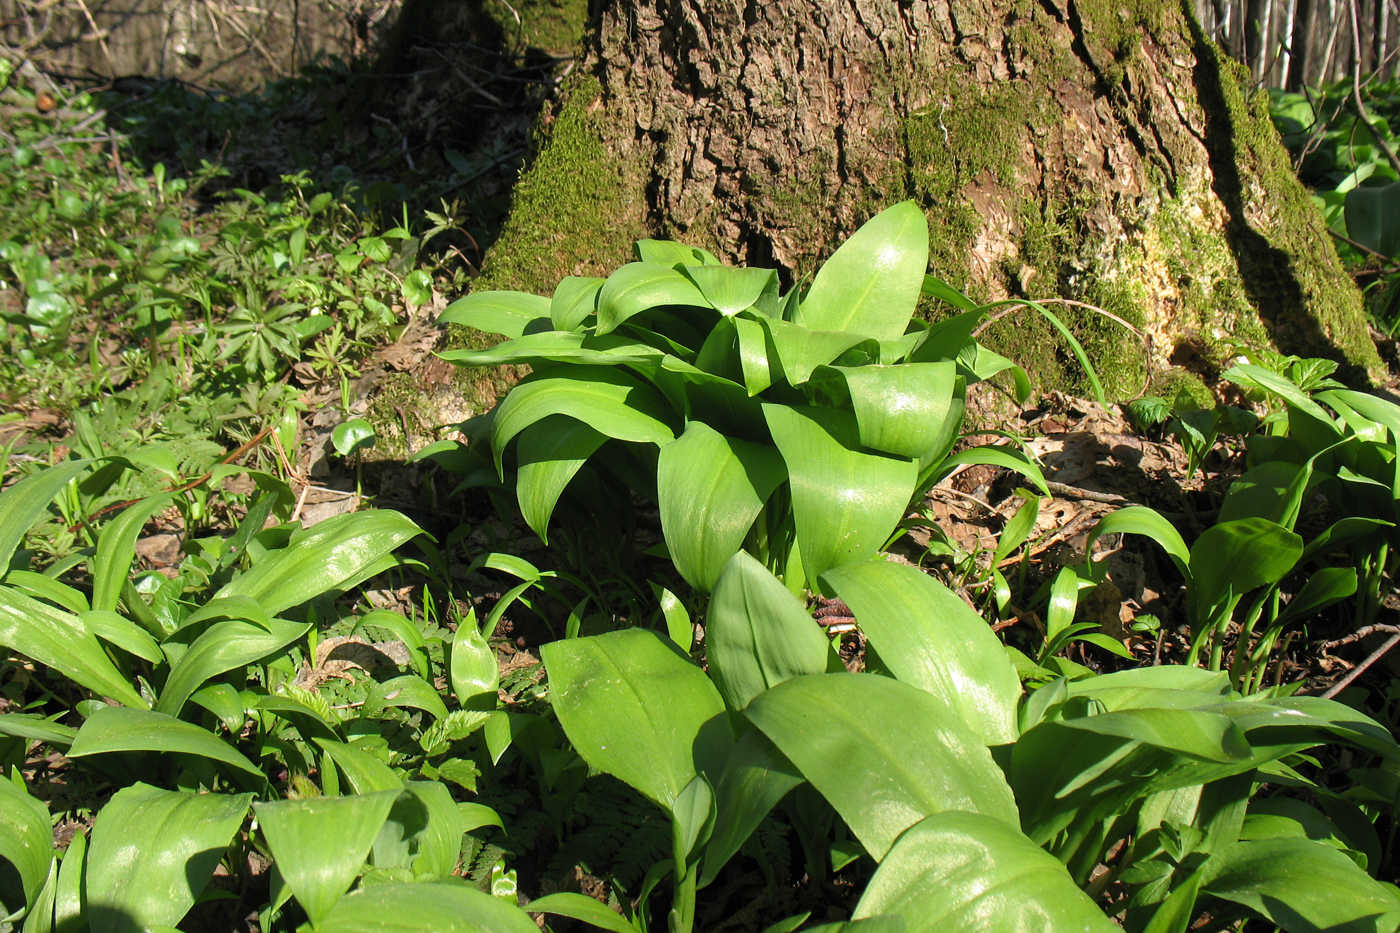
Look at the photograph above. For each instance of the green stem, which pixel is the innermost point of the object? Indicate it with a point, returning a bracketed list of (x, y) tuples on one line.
[(687, 875)]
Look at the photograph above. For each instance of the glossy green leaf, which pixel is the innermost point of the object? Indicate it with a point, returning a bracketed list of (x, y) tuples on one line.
[(152, 852), (797, 351), (117, 729), (504, 313), (1251, 376), (352, 435), (757, 634), (1096, 765), (1299, 884), (223, 647), (928, 637), (1326, 587), (710, 489), (553, 346), (473, 669), (1241, 555), (883, 753), (730, 290), (612, 403), (967, 871), (574, 299), (332, 554), (641, 286), (845, 503), (1141, 520), (581, 907), (906, 410), (1005, 457), (754, 779), (671, 253), (122, 632), (548, 455), (42, 586), (24, 503), (320, 843), (440, 906), (693, 815), (26, 841), (871, 284), (365, 772), (751, 341), (116, 548), (632, 706), (36, 728), (405, 630), (406, 690), (59, 641)]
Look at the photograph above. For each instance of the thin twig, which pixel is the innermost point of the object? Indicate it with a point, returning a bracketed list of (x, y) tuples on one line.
[(1065, 491), (1361, 110), (1357, 671), (1362, 633)]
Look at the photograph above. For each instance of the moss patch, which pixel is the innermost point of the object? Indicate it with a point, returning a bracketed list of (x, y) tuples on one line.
[(552, 26)]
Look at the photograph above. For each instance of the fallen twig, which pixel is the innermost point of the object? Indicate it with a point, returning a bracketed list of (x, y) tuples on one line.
[(1357, 671)]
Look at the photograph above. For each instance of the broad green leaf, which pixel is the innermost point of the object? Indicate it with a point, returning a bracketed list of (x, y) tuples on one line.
[(1084, 767), (641, 286), (331, 554), (1371, 406), (1241, 555), (548, 455), (1327, 587), (967, 871), (42, 586), (710, 489), (1299, 884), (122, 632), (797, 351), (24, 503), (473, 669), (1141, 520), (1004, 457), (365, 772), (222, 647), (352, 435), (693, 816), (440, 906), (1168, 686), (117, 729), (504, 313), (432, 825), (906, 410), (751, 341), (730, 290), (937, 288), (406, 632), (929, 638), (406, 690), (320, 843), (757, 634), (68, 898), (754, 779), (671, 253), (116, 548), (632, 706), (871, 284), (574, 299), (59, 641), (1263, 491), (581, 907), (612, 403), (1251, 376), (883, 753), (1373, 217), (553, 346), (36, 728), (26, 841), (153, 851), (845, 503)]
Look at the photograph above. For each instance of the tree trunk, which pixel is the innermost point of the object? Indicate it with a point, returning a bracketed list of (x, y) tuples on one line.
[(1099, 152)]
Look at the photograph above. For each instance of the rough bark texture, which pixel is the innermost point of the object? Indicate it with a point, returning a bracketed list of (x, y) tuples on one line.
[(1101, 152)]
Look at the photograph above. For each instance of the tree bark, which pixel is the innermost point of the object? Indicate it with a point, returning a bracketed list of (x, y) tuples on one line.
[(1083, 149)]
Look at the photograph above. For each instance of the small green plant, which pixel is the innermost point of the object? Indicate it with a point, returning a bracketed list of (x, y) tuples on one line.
[(1325, 448), (796, 426), (1134, 795)]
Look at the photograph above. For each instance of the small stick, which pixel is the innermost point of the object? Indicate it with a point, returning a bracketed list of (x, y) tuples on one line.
[(1357, 671), (1362, 633)]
